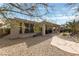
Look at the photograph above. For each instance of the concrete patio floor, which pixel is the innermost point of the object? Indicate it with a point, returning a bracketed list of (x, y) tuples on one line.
[(68, 46), (33, 46)]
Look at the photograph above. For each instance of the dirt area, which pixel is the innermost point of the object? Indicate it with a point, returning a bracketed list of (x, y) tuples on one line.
[(36, 46), (69, 38)]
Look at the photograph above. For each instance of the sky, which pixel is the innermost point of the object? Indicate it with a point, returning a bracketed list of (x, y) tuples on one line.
[(59, 13), (62, 13)]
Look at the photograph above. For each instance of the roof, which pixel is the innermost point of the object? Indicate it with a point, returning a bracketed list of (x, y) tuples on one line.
[(33, 22)]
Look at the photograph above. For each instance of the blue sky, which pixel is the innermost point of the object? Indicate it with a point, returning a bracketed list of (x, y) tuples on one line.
[(60, 13)]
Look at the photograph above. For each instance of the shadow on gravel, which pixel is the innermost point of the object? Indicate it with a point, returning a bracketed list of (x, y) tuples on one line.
[(30, 41)]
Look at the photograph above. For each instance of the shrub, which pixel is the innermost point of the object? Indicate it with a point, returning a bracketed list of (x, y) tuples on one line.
[(64, 34)]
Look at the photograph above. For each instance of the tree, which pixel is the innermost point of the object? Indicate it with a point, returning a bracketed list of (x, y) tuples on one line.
[(31, 9), (73, 26)]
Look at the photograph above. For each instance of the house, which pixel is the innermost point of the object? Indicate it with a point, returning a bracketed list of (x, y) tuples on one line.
[(18, 26)]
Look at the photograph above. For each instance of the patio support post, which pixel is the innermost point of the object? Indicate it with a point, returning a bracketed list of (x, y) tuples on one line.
[(14, 31), (4, 30), (43, 29), (53, 29)]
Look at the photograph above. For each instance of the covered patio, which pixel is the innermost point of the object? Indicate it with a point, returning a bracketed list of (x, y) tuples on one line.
[(30, 27)]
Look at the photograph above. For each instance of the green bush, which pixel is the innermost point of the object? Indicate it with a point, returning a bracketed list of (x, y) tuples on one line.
[(64, 34), (37, 28)]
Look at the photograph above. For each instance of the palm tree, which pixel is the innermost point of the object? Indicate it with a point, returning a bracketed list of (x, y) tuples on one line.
[(73, 26)]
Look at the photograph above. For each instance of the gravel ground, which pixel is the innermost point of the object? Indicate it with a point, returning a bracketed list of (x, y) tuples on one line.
[(70, 38), (33, 46)]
